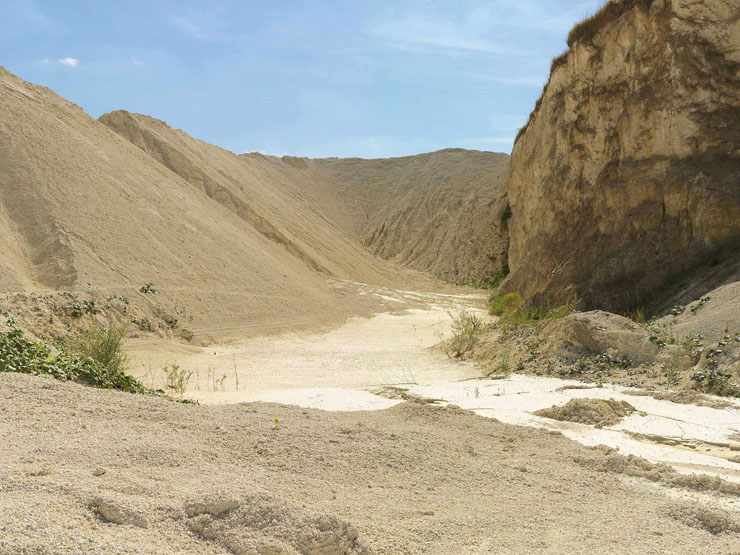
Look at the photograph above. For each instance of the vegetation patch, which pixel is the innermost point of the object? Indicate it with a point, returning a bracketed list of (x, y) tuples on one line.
[(103, 345), (613, 10), (466, 327), (492, 281), (500, 305), (23, 355), (528, 315)]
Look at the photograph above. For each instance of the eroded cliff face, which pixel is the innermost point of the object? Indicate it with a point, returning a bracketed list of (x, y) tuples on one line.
[(628, 173)]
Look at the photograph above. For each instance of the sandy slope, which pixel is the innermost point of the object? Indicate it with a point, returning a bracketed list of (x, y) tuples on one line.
[(229, 241), (442, 212), (81, 208), (125, 473)]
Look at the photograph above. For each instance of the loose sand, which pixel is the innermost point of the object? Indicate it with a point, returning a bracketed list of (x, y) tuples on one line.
[(95, 471)]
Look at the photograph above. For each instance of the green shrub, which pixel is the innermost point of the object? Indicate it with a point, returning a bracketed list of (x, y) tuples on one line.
[(103, 345), (23, 355), (716, 382), (526, 315), (148, 289), (506, 304), (490, 282), (465, 328)]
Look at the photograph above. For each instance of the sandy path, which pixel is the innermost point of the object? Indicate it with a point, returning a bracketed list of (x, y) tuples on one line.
[(388, 348)]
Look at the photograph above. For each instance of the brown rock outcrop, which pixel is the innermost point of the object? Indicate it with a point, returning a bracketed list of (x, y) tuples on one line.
[(627, 174)]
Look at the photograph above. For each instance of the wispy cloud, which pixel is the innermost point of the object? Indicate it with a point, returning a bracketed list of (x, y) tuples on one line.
[(502, 80), (413, 31), (71, 62), (213, 24), (188, 25)]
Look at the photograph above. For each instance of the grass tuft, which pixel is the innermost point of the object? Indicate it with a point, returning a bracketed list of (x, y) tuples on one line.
[(527, 315), (103, 344)]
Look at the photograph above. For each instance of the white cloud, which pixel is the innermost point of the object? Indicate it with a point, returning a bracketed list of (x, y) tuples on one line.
[(188, 25), (412, 30), (45, 61), (511, 81), (72, 62)]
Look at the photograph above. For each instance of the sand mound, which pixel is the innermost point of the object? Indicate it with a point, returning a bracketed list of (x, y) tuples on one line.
[(227, 240), (706, 518), (597, 412), (260, 523)]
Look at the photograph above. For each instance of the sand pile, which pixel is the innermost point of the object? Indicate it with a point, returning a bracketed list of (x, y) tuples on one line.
[(597, 412), (226, 241)]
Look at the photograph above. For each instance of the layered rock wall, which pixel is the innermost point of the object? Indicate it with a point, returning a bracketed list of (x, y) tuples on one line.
[(627, 176)]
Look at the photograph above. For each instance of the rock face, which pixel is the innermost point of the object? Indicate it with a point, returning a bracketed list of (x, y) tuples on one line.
[(627, 174)]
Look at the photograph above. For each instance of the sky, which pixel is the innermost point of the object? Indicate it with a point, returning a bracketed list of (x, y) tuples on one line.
[(313, 78)]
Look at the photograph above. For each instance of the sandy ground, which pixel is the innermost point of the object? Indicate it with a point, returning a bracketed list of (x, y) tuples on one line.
[(390, 348), (95, 471), (365, 364)]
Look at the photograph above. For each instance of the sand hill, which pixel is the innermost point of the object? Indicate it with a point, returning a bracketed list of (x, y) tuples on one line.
[(106, 206), (441, 212)]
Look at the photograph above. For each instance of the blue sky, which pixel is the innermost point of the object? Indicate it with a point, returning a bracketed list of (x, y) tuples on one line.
[(306, 78)]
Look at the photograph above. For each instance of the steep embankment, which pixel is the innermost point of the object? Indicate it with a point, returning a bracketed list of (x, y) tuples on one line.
[(83, 209), (440, 212), (628, 173)]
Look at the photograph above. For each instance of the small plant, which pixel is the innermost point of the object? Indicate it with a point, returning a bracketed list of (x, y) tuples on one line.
[(503, 366), (177, 378), (637, 315), (663, 335), (143, 323), (465, 327), (700, 304), (75, 310), (673, 369), (506, 304), (677, 310), (102, 344), (148, 289), (171, 323)]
